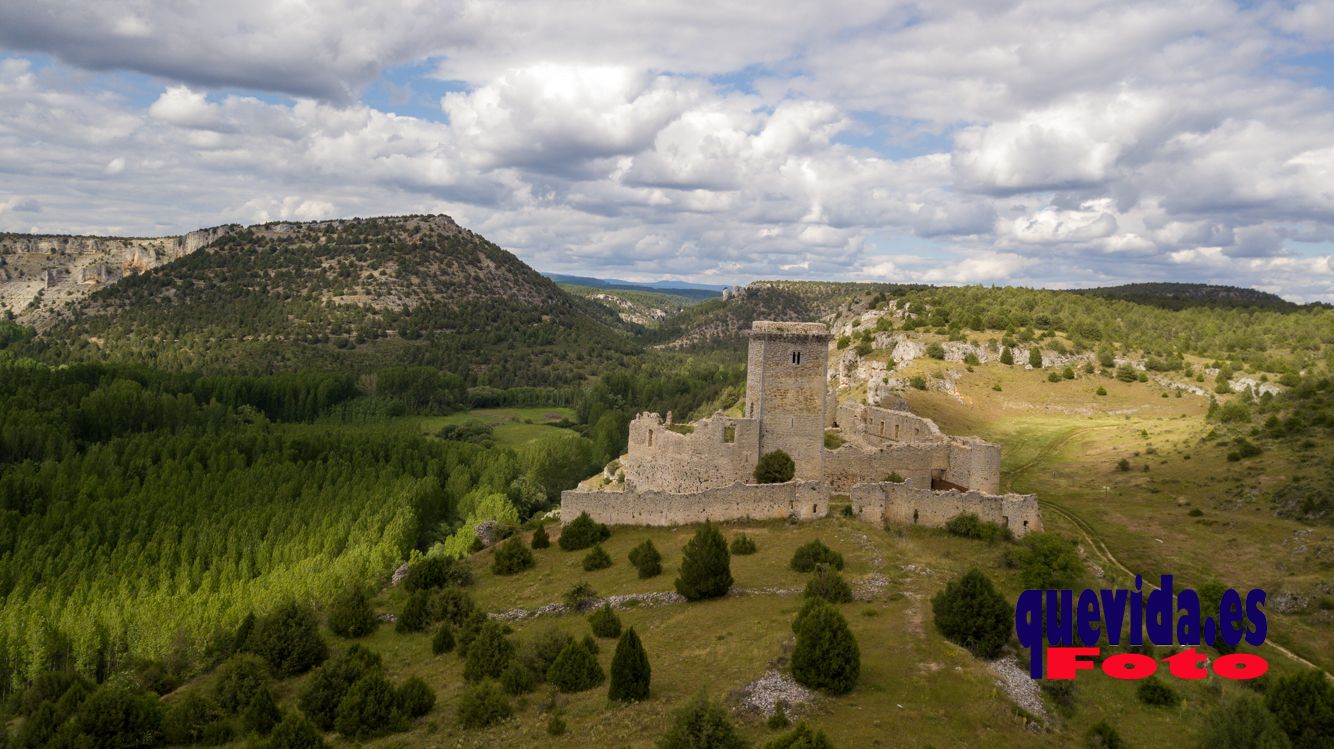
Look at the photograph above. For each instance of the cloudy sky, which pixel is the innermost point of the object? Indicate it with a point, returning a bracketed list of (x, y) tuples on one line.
[(1064, 143)]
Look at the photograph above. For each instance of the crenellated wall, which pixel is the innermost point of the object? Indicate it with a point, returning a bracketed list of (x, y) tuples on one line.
[(909, 505), (805, 500)]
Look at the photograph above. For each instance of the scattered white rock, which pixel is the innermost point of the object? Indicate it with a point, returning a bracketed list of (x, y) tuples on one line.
[(763, 695)]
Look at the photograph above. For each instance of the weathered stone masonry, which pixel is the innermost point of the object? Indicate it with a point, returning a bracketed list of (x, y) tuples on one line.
[(675, 474)]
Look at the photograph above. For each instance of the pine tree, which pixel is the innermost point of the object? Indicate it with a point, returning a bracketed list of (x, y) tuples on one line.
[(488, 653), (582, 533), (415, 697), (540, 538), (443, 642), (972, 613), (826, 656), (369, 709), (238, 680), (630, 671), (262, 714), (605, 623), (826, 583), (597, 559), (289, 639), (702, 724), (295, 731), (801, 737), (483, 704), (351, 615), (1035, 357), (1006, 356), (647, 560), (512, 557), (706, 566), (416, 614), (575, 669)]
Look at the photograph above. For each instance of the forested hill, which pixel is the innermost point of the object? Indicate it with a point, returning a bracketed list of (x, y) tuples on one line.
[(1183, 295), (347, 295)]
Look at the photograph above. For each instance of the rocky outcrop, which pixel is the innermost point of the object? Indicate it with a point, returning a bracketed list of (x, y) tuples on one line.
[(45, 273)]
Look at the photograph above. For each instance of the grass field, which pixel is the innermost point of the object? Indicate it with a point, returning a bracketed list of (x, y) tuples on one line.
[(511, 427), (917, 689), (1063, 443)]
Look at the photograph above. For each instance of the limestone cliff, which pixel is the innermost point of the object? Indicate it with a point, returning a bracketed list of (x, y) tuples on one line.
[(41, 274)]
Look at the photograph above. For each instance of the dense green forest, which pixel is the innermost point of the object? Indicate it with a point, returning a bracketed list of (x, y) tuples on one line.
[(144, 513)]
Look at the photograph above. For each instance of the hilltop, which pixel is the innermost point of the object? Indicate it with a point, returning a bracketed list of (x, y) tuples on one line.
[(1183, 295), (349, 294)]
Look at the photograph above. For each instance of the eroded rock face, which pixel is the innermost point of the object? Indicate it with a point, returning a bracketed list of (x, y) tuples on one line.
[(45, 273)]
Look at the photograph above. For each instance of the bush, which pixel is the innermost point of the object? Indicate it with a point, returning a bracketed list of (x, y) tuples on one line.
[(630, 670), (968, 525), (370, 708), (262, 714), (778, 719), (1304, 706), (1123, 464), (706, 566), (1006, 356), (605, 623), (483, 705), (1048, 562), (702, 724), (575, 669), (1100, 391), (582, 533), (1242, 722), (295, 731), (115, 716), (416, 614), (452, 605), (596, 559), (512, 557), (538, 653), (429, 573), (556, 726), (415, 698), (1035, 357), (540, 538), (895, 478), (327, 686), (1103, 736), (742, 545), (580, 597), (829, 585), (775, 467), (351, 615), (48, 686), (185, 721), (443, 642), (646, 560), (1068, 373), (935, 350), (813, 553), (801, 737), (488, 653), (289, 639), (516, 679), (238, 680), (1151, 691), (826, 656), (973, 614), (917, 382)]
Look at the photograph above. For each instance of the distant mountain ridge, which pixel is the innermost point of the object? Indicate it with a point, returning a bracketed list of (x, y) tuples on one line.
[(1182, 295), (684, 288), (358, 294)]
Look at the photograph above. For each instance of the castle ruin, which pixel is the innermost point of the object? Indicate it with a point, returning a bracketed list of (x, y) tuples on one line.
[(893, 465)]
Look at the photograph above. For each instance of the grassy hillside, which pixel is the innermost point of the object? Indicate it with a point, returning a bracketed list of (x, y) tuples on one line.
[(346, 295)]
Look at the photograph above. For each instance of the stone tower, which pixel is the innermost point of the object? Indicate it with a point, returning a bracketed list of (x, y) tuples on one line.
[(786, 372)]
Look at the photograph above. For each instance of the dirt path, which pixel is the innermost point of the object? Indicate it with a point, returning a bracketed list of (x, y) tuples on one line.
[(1090, 535)]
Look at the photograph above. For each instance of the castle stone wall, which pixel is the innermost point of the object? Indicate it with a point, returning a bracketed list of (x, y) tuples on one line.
[(806, 500), (660, 459), (907, 504), (973, 463), (885, 424), (851, 464)]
